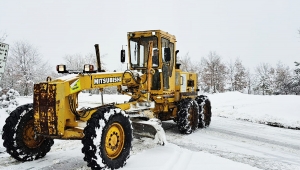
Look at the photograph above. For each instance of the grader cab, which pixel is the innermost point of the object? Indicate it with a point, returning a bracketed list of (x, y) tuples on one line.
[(159, 91)]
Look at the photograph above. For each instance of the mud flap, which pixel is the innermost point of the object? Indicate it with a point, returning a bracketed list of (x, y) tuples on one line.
[(149, 128)]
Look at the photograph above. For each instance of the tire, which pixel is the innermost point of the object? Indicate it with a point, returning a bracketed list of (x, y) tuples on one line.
[(107, 139), (187, 116), (204, 111), (19, 138)]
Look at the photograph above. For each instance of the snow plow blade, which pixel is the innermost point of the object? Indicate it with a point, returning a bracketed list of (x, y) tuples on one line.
[(149, 128)]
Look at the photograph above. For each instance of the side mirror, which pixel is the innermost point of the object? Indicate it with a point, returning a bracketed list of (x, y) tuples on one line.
[(167, 54), (122, 56)]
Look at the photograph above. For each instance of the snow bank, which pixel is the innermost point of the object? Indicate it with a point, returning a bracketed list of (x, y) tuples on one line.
[(275, 109)]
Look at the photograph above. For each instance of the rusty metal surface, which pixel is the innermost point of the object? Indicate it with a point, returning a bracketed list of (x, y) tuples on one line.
[(45, 122)]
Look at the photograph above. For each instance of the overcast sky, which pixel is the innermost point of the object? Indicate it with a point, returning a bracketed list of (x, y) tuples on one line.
[(255, 31)]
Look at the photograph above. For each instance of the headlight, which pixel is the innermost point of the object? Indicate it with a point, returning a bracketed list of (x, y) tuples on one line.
[(88, 68), (61, 69)]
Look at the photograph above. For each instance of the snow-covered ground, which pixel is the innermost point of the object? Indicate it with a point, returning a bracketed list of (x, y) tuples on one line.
[(281, 109), (229, 143)]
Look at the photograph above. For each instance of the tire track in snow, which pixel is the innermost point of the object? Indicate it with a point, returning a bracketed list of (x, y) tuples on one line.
[(256, 138), (258, 145), (175, 163)]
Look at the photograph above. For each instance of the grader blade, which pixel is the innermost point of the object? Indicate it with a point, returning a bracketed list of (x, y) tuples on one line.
[(151, 128)]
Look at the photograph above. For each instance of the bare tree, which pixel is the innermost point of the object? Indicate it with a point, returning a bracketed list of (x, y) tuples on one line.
[(230, 74), (24, 68), (186, 63), (236, 75), (77, 61), (251, 81), (74, 62), (191, 66), (240, 75), (3, 37), (266, 78), (283, 79), (214, 73)]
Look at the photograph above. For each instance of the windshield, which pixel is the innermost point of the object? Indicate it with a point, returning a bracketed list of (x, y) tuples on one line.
[(139, 52)]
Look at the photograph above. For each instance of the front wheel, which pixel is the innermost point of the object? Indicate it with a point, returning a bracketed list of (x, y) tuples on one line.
[(107, 140), (19, 137)]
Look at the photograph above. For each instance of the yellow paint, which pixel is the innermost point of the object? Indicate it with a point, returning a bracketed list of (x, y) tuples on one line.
[(114, 140), (62, 121)]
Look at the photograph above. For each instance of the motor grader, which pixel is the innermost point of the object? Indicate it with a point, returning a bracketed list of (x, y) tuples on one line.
[(159, 91)]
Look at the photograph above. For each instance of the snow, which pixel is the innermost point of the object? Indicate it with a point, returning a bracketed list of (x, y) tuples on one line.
[(202, 149), (67, 77), (283, 109), (175, 158)]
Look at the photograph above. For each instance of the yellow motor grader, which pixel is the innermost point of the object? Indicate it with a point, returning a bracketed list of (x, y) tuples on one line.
[(159, 91)]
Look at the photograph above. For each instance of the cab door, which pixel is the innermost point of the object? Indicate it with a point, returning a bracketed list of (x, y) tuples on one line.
[(183, 82)]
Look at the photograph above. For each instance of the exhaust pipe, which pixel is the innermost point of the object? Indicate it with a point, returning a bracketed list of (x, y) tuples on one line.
[(98, 58)]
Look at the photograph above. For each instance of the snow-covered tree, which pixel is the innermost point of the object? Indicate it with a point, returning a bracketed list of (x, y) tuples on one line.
[(296, 79), (24, 67), (251, 81), (230, 75), (265, 77), (297, 64), (283, 79), (214, 73), (239, 76)]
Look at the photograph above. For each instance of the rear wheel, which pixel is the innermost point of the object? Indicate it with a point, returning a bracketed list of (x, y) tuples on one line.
[(187, 116), (19, 137), (107, 140), (204, 110)]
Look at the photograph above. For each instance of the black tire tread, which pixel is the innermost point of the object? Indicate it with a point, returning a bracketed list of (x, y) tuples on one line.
[(14, 127), (183, 123), (204, 110), (90, 150)]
